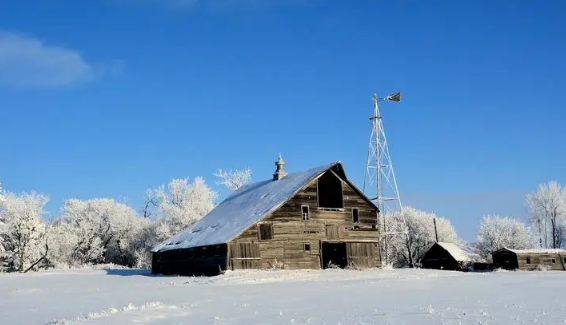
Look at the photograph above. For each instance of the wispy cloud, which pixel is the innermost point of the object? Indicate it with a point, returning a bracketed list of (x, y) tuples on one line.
[(28, 62)]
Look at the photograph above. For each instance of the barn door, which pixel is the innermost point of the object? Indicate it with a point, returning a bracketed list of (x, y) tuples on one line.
[(244, 256), (362, 255)]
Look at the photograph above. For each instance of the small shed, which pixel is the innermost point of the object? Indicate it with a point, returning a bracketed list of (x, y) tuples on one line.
[(449, 256), (530, 259)]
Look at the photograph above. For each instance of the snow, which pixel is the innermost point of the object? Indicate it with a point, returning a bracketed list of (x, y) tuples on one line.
[(241, 210), (455, 251), (394, 297), (538, 251)]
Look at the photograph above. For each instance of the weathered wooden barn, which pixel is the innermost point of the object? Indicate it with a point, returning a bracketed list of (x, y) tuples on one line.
[(305, 220), (529, 259), (449, 256)]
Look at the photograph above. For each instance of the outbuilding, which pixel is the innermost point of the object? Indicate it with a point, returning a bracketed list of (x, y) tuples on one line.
[(449, 256), (530, 259)]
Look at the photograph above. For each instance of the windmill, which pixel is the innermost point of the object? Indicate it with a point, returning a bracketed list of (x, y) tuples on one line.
[(380, 183)]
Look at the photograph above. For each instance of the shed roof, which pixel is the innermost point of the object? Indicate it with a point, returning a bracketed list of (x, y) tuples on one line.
[(537, 251), (243, 208), (456, 252)]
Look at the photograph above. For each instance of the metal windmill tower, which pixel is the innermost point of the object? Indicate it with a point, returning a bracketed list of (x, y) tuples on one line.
[(379, 174)]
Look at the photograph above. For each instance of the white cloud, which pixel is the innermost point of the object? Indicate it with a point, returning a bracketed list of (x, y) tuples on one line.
[(28, 62)]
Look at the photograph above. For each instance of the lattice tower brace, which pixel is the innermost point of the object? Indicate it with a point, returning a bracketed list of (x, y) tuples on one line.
[(380, 177)]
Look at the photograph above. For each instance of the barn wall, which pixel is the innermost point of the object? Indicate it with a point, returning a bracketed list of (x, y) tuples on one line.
[(553, 261), (206, 260), (505, 259), (290, 232)]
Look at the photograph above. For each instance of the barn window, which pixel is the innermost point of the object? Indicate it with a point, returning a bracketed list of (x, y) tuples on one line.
[(265, 231), (308, 247), (553, 260), (305, 211), (355, 215), (528, 260), (330, 191), (374, 226)]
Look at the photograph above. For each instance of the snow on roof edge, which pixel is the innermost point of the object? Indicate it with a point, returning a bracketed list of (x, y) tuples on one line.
[(537, 250), (457, 253)]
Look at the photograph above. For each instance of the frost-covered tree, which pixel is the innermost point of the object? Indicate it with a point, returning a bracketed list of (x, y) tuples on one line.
[(421, 234), (233, 180), (547, 211), (182, 204), (22, 230), (496, 232), (96, 231)]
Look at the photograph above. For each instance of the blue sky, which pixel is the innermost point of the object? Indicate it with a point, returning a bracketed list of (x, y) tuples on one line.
[(108, 98)]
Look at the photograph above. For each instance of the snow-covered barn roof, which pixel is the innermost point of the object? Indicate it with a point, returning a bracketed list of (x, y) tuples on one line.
[(246, 206), (538, 251), (456, 252)]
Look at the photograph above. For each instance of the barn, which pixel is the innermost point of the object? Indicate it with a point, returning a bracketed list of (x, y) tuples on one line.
[(529, 259), (304, 220), (449, 256)]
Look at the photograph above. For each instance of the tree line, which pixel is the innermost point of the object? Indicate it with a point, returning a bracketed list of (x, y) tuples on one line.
[(102, 230)]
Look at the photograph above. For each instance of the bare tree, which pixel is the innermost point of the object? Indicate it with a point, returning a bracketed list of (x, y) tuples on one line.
[(150, 202)]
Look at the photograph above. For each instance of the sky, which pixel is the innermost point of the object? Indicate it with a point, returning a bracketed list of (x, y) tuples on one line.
[(108, 98)]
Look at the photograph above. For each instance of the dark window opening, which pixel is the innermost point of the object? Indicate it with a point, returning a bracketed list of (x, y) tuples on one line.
[(553, 261), (305, 211), (265, 231), (528, 260), (308, 247), (330, 191), (373, 226), (355, 215)]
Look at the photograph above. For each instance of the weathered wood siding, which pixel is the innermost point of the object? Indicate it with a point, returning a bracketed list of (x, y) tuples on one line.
[(290, 232), (244, 256), (363, 255), (533, 261)]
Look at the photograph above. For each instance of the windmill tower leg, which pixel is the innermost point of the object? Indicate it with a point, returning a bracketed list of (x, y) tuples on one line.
[(380, 177)]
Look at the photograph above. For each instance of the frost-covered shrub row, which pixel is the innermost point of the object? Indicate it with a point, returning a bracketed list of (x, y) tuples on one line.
[(101, 230)]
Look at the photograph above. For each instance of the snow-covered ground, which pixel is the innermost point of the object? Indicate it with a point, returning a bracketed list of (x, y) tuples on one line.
[(284, 297)]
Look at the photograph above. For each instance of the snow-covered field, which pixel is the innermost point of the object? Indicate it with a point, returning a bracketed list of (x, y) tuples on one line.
[(284, 297)]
